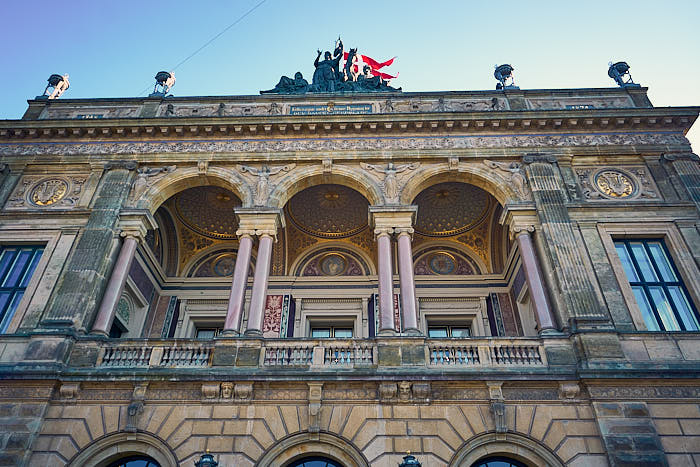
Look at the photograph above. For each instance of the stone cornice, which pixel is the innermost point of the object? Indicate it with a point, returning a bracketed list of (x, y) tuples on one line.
[(676, 119)]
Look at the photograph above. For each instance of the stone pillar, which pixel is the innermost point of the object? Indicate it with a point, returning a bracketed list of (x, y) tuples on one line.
[(262, 276), (386, 220), (9, 176), (687, 168), (83, 280), (385, 282), (115, 286), (409, 310), (575, 285), (236, 300), (533, 277), (264, 222)]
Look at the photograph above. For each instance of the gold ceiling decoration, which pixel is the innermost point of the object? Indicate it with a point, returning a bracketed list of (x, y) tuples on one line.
[(208, 210), (450, 208), (328, 211)]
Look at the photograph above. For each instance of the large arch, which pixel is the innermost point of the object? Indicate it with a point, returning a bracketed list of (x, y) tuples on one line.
[(308, 444), (306, 177), (308, 254), (188, 177), (513, 445), (118, 445), (475, 174)]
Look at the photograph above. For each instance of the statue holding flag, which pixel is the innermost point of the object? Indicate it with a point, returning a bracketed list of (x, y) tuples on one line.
[(340, 72)]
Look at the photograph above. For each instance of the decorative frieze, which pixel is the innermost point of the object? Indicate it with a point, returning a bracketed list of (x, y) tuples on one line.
[(379, 143)]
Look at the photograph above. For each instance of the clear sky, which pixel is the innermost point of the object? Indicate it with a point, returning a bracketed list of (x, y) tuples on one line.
[(114, 48)]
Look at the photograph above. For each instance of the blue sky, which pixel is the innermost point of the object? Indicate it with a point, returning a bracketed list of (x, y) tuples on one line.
[(114, 48)]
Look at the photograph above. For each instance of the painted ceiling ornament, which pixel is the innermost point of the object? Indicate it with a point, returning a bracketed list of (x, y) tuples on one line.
[(340, 71), (515, 177), (262, 187), (144, 179), (390, 185), (614, 183)]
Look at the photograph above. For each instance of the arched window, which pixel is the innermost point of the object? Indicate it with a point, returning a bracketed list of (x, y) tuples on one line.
[(498, 462), (315, 462), (135, 461)]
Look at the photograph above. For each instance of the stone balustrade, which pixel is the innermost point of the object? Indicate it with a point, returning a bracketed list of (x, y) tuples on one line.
[(496, 352), (134, 354)]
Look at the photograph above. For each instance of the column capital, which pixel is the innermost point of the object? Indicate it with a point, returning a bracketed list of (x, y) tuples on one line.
[(382, 217), (135, 223), (404, 231), (259, 221), (518, 220), (383, 231)]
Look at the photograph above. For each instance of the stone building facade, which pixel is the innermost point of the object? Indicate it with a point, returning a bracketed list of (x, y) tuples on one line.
[(461, 275)]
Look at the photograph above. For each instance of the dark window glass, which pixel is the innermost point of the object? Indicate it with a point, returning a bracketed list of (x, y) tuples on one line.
[(135, 461), (17, 264), (661, 296), (498, 462), (315, 462), (207, 333)]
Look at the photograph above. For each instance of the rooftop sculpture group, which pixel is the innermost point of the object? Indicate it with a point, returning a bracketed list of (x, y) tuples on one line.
[(329, 77)]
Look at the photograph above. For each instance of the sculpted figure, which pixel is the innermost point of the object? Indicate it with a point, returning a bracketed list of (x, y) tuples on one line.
[(516, 177), (391, 184), (143, 176), (287, 85), (262, 187), (59, 84), (327, 70)]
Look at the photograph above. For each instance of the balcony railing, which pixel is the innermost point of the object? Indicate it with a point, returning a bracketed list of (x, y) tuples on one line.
[(495, 352), (156, 354), (319, 353)]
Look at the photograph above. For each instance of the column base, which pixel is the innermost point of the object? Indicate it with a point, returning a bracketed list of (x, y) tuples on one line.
[(386, 333), (99, 333), (412, 332), (549, 332), (253, 333)]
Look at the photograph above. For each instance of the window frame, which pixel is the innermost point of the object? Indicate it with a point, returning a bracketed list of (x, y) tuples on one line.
[(57, 247), (646, 284), (676, 248)]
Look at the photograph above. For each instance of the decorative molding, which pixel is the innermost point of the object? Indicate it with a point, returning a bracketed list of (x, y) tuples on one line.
[(272, 145), (47, 192), (619, 183)]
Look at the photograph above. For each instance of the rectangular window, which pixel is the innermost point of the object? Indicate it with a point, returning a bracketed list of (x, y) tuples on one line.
[(437, 332), (17, 264), (337, 332), (207, 333), (657, 287)]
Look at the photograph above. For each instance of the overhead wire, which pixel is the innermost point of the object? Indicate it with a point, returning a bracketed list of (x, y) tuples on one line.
[(211, 40)]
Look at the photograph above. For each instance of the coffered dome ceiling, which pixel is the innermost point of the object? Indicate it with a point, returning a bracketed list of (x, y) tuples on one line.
[(208, 210), (328, 211), (450, 208)]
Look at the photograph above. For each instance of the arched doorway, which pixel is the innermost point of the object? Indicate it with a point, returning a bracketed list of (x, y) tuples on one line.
[(135, 461)]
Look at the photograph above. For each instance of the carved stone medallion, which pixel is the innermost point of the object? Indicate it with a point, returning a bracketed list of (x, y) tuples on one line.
[(48, 192), (614, 183)]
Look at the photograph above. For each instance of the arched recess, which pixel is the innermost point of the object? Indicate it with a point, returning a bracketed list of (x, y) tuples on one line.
[(308, 444), (513, 445), (116, 446), (189, 177), (472, 258), (475, 174), (306, 177), (196, 262), (361, 256)]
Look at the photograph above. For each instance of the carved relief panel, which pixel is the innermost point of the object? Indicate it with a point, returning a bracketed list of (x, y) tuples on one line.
[(617, 183), (47, 192)]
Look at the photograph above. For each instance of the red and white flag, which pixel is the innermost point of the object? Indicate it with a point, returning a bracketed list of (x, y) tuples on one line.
[(361, 60)]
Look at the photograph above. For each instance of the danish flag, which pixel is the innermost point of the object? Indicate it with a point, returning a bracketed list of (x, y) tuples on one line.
[(362, 60)]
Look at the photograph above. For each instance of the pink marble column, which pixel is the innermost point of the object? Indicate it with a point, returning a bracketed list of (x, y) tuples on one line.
[(260, 280), (543, 313), (409, 311), (386, 285), (236, 300), (115, 287)]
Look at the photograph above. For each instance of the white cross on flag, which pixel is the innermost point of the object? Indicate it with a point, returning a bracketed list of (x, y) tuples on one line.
[(360, 61)]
